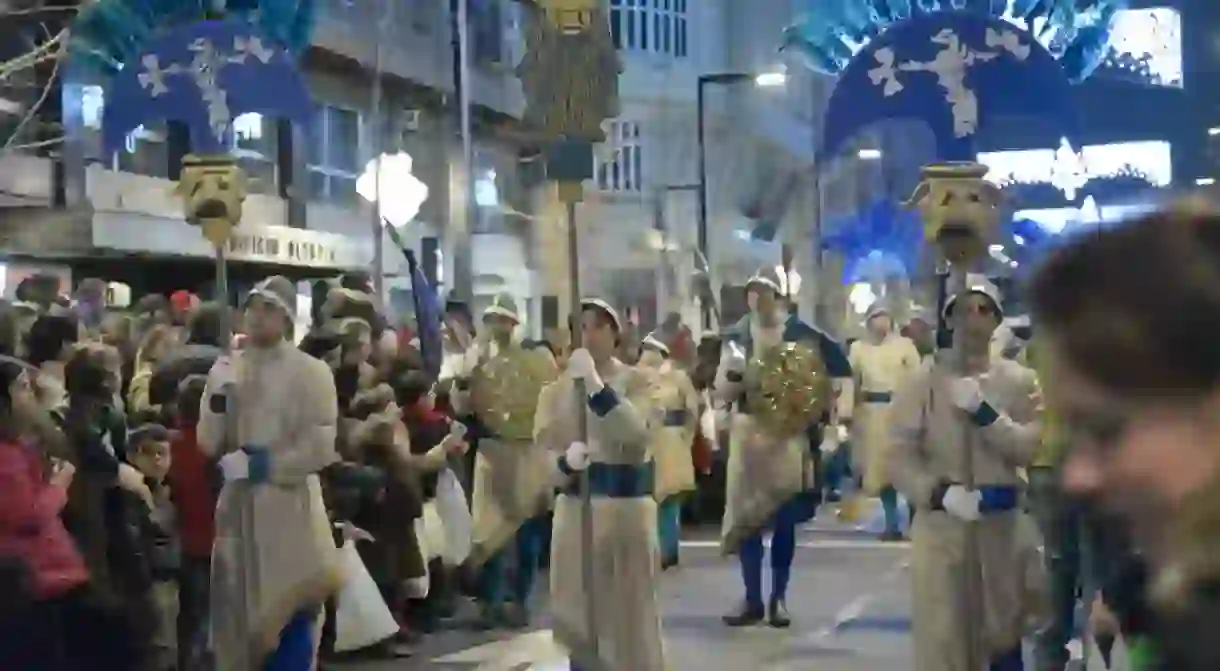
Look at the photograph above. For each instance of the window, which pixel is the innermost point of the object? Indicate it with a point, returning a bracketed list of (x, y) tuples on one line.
[(254, 146), (486, 31), (334, 155), (145, 152), (653, 26), (623, 168)]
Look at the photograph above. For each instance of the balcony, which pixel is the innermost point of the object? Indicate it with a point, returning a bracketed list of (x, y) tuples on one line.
[(416, 43), (418, 46)]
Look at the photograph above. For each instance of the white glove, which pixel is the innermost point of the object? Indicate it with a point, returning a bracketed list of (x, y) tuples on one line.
[(577, 456), (457, 430), (735, 359), (235, 466), (962, 503), (221, 373), (842, 433), (582, 367), (966, 392), (353, 533), (830, 443)]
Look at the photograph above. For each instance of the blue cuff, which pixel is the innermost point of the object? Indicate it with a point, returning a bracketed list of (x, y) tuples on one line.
[(564, 467), (985, 415), (998, 499), (603, 401), (260, 464)]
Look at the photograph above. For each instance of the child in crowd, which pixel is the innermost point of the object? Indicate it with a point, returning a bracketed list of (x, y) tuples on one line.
[(151, 454), (195, 486)]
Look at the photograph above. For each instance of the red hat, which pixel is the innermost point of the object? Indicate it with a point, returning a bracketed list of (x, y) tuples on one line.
[(183, 300)]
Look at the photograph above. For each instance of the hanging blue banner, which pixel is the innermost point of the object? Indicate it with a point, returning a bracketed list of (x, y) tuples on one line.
[(205, 75), (952, 70)]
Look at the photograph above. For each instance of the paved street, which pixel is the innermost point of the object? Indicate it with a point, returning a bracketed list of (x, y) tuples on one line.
[(849, 600)]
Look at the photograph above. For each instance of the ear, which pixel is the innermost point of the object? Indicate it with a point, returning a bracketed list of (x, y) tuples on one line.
[(921, 192), (990, 194)]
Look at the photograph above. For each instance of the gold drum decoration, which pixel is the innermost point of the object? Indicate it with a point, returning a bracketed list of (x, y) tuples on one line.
[(505, 388), (790, 388)]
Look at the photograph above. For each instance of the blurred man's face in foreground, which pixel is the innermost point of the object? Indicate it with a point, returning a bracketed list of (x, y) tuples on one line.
[(1137, 459)]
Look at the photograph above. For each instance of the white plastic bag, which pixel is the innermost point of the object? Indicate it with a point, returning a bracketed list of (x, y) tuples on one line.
[(362, 617), (708, 422), (430, 533), (457, 525)]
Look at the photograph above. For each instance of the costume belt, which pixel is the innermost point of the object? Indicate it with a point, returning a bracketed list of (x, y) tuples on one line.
[(998, 498), (675, 417), (617, 481), (876, 396)]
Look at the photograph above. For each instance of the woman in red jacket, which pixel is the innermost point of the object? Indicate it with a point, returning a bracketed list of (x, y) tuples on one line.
[(48, 612)]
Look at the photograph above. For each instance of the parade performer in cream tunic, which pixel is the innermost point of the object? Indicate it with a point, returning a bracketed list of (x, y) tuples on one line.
[(941, 411), (881, 361), (671, 442), (512, 487), (274, 561), (620, 474), (772, 483)]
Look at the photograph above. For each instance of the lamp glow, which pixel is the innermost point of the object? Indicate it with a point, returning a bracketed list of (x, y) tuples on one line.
[(388, 179), (771, 79)]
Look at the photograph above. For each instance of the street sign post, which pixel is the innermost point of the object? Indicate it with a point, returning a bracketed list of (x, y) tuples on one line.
[(569, 75)]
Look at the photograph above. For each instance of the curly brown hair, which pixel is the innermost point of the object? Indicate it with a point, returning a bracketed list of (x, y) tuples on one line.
[(1145, 333)]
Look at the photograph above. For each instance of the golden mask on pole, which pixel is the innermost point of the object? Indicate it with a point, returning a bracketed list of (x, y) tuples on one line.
[(212, 189), (569, 16), (960, 209)]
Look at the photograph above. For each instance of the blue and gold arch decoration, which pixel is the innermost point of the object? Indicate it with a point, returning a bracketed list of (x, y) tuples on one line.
[(106, 35), (1075, 32), (954, 71)]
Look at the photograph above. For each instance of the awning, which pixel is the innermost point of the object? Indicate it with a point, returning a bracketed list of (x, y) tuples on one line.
[(76, 232)]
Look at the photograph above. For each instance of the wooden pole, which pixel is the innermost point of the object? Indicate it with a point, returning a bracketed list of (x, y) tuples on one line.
[(571, 193)]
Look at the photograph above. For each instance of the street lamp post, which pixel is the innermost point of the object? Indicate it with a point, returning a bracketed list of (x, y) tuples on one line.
[(721, 79)]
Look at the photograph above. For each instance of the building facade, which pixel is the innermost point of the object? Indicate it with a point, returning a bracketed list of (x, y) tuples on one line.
[(77, 212), (638, 226)]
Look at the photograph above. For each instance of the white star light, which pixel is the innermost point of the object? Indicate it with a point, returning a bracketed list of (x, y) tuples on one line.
[(389, 181)]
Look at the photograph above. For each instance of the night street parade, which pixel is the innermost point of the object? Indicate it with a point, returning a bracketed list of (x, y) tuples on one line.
[(609, 335)]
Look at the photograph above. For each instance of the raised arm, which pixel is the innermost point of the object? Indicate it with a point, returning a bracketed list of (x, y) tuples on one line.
[(839, 366), (908, 465), (309, 445), (626, 417), (1016, 434), (211, 428), (549, 431), (730, 373)]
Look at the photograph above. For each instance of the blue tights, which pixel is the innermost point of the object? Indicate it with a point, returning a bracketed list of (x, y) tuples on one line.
[(669, 528), (529, 544), (783, 549), (296, 649), (1013, 660), (889, 506)]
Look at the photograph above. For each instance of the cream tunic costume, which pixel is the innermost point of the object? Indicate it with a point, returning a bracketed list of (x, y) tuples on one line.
[(880, 368), (678, 403), (930, 435), (273, 552), (764, 473), (772, 482), (620, 425), (511, 486)]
